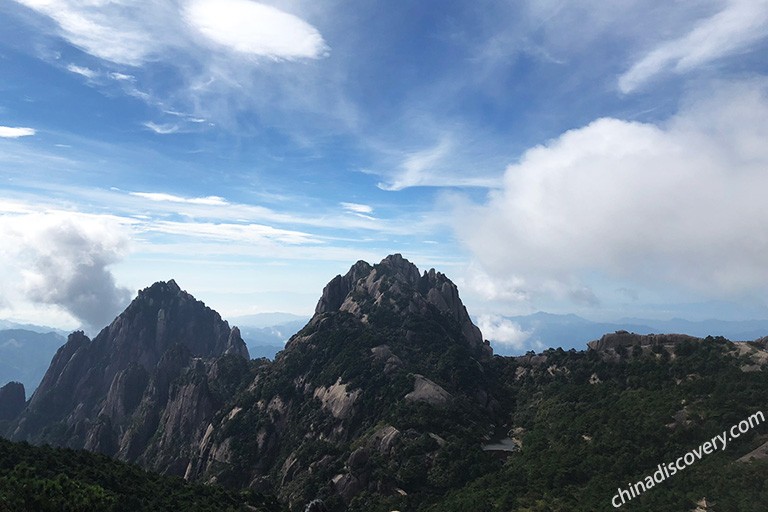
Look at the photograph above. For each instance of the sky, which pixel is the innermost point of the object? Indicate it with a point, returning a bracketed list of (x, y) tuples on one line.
[(601, 158)]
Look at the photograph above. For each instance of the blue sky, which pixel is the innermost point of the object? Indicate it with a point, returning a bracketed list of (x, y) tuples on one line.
[(602, 158)]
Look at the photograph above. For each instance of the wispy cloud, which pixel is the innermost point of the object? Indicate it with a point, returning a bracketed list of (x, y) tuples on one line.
[(122, 77), (159, 196), (162, 129), (440, 165), (82, 71), (14, 132), (357, 208), (218, 58), (132, 33), (738, 25), (227, 232), (112, 31)]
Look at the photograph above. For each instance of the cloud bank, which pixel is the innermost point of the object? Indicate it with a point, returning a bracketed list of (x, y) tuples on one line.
[(680, 203)]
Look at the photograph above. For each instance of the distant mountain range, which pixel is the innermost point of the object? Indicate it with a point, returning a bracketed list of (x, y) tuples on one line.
[(544, 330), (26, 354), (265, 334)]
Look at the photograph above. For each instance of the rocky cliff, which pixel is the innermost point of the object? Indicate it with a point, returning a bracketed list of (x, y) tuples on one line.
[(139, 385)]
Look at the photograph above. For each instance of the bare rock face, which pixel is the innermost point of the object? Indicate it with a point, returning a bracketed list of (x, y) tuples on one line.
[(424, 390), (383, 440), (12, 400), (139, 390), (337, 400)]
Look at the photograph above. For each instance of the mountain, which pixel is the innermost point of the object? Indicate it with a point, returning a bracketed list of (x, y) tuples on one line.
[(139, 389), (26, 354), (8, 325), (390, 399), (386, 345)]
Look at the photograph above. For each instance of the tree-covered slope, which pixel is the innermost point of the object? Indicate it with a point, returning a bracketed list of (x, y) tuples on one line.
[(46, 479), (590, 423)]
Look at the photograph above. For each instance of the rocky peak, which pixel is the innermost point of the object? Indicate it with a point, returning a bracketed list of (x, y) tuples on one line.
[(399, 269), (138, 355), (396, 283), (163, 315), (339, 287)]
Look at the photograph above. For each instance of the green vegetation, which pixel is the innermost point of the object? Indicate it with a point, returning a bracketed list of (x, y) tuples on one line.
[(583, 441), (43, 479)]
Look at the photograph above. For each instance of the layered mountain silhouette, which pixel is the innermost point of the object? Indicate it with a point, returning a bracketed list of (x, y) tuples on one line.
[(388, 399)]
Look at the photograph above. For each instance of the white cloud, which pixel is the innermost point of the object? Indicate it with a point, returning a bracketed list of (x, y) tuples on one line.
[(14, 132), (138, 31), (160, 197), (113, 30), (82, 71), (63, 259), (503, 331), (679, 205), (162, 129), (357, 208), (255, 29), (211, 60), (739, 24), (121, 77), (511, 289), (248, 233)]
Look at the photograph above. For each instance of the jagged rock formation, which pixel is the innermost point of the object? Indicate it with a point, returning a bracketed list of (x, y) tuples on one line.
[(140, 389), (12, 400), (396, 283)]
